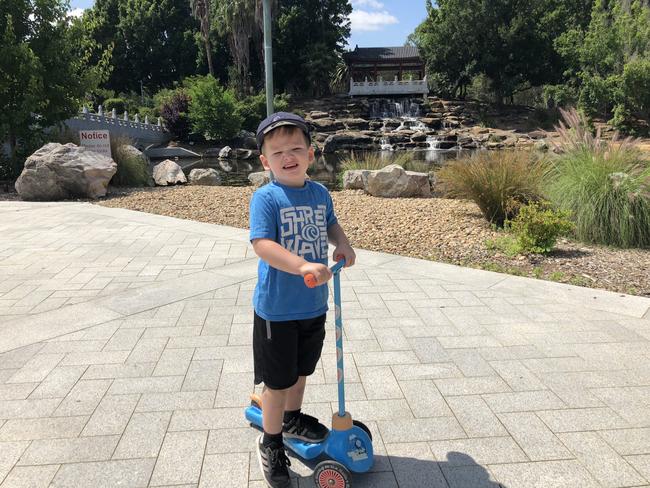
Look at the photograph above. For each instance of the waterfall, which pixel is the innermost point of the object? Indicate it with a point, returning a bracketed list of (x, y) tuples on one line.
[(433, 142), (385, 145), (384, 108)]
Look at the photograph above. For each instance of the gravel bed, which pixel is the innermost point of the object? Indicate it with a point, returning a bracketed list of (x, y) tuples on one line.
[(451, 231)]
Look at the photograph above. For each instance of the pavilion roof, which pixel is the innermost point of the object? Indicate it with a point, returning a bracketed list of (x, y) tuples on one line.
[(368, 54)]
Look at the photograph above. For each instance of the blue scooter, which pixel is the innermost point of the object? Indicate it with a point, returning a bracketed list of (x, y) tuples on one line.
[(349, 442)]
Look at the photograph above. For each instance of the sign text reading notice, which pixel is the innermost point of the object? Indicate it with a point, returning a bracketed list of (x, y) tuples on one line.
[(96, 140)]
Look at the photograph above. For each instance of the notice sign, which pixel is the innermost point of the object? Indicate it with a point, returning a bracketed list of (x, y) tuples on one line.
[(96, 140)]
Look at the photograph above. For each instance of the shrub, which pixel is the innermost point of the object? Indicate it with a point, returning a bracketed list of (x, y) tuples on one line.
[(636, 86), (114, 103), (174, 111), (252, 109), (212, 109), (498, 182), (132, 170), (537, 227), (604, 184)]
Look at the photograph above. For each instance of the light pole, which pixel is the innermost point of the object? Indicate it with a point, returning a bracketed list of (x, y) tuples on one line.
[(268, 57)]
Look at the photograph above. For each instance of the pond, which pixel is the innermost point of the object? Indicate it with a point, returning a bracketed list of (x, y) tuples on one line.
[(324, 170)]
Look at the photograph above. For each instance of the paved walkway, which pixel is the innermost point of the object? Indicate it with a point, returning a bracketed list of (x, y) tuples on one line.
[(125, 361)]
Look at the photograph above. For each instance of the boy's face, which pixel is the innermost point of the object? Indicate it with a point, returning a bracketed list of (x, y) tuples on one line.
[(287, 155)]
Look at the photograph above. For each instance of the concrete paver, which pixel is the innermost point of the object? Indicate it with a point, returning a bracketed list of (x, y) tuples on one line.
[(125, 360)]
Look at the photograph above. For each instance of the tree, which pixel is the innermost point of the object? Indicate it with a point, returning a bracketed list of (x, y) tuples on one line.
[(153, 41), (44, 69), (511, 42), (201, 11), (309, 39)]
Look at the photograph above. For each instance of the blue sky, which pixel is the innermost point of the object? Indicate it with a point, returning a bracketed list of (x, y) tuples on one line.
[(374, 22)]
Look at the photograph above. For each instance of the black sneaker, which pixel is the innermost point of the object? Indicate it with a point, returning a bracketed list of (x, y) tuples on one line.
[(306, 428), (273, 463)]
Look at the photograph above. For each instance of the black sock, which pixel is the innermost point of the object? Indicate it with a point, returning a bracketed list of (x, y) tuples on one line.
[(272, 439), (289, 415)]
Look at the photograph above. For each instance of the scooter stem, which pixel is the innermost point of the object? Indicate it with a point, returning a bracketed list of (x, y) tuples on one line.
[(310, 281), (338, 321)]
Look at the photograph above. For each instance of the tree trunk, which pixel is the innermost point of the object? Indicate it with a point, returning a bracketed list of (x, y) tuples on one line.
[(208, 54)]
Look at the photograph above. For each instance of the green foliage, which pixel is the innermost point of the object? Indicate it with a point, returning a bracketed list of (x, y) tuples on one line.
[(636, 86), (44, 70), (498, 182), (537, 227), (132, 170), (115, 103), (510, 42), (252, 109), (604, 184), (151, 41), (212, 109), (559, 96), (309, 39)]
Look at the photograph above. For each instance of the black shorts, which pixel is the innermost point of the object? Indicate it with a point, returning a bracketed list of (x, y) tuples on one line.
[(283, 351)]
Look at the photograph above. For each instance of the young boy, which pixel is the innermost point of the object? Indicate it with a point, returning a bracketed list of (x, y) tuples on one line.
[(291, 221)]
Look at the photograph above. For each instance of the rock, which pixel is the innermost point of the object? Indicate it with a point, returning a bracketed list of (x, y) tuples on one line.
[(56, 172), (242, 153), (433, 123), (392, 181), (355, 179), (260, 178), (211, 152), (347, 140), (419, 137), (537, 134), (541, 145), (356, 124), (316, 114), (204, 177), (168, 173), (328, 125), (392, 124), (497, 137), (376, 124), (225, 152)]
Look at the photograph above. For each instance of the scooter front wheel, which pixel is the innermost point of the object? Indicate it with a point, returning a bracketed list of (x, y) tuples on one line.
[(330, 474)]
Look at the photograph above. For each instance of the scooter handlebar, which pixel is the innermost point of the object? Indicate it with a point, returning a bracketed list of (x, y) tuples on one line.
[(310, 279)]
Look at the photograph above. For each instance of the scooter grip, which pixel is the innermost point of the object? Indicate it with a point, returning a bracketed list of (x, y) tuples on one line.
[(310, 281)]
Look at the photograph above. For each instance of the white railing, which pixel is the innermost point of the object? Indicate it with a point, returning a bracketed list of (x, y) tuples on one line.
[(144, 132), (394, 87)]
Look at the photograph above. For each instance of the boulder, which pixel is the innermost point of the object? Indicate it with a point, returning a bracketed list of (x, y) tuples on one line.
[(355, 179), (328, 125), (260, 178), (347, 140), (204, 177), (419, 137), (168, 173), (356, 124), (225, 152), (392, 181), (58, 171)]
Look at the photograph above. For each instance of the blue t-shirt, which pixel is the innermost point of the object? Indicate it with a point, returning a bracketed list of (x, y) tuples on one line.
[(297, 219)]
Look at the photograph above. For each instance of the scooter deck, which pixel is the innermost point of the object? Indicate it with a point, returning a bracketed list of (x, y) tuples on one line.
[(305, 450)]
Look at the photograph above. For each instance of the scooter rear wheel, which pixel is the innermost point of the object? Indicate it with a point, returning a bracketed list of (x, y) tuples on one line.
[(330, 474)]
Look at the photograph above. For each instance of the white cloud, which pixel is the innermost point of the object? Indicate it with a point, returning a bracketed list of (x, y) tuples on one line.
[(367, 3), (76, 12), (371, 21)]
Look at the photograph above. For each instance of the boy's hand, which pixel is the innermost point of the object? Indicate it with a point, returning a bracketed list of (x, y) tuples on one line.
[(345, 251), (319, 271)]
